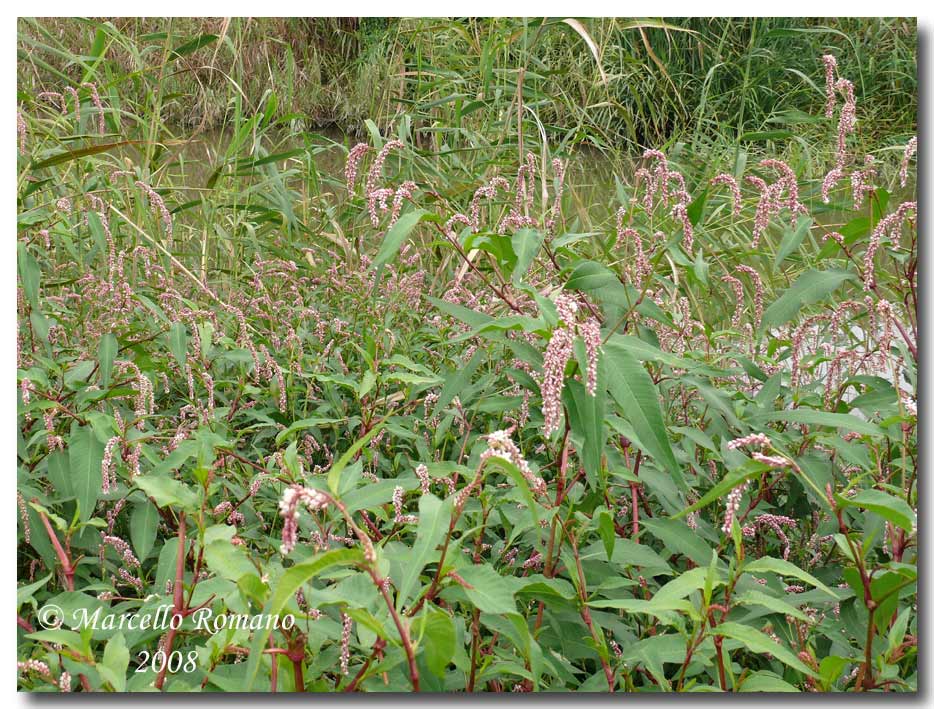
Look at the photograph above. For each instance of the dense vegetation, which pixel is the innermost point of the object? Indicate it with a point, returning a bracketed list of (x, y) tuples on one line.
[(480, 409), (457, 81)]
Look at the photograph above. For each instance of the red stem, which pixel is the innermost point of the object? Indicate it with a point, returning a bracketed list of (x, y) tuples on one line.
[(67, 567), (178, 597)]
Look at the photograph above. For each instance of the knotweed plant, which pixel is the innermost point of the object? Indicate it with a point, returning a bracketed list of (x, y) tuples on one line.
[(406, 425)]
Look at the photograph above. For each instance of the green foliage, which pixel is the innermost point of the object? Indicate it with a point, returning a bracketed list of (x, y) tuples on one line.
[(573, 432), (453, 79)]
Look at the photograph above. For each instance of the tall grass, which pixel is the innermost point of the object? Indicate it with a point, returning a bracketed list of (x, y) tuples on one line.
[(225, 113), (209, 318), (457, 82)]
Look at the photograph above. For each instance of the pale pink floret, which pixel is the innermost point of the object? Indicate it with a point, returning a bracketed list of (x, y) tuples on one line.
[(403, 192), (376, 169), (158, 204), (787, 183), (849, 358), (424, 480), (130, 579), (222, 509), (108, 468), (642, 268), (847, 121), (767, 206), (648, 199), (590, 332), (96, 100), (753, 439), (378, 198), (71, 91), (774, 461), (255, 485), (680, 212), (889, 226), (534, 561), (758, 295), (23, 516), (797, 343), (910, 149), (861, 181), (292, 498), (121, 548), (398, 501), (620, 214), (730, 181), (557, 355), (37, 666), (353, 163), (449, 225), (515, 221), (487, 191), (21, 131), (499, 444), (776, 523), (830, 180), (567, 308), (681, 193), (830, 67), (525, 184), (559, 167), (657, 181), (346, 627), (54, 97), (732, 506), (737, 286), (26, 387)]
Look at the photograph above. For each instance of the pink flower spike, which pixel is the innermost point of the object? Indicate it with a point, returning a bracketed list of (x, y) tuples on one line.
[(753, 439), (910, 149), (730, 181), (353, 162), (830, 68), (294, 496)]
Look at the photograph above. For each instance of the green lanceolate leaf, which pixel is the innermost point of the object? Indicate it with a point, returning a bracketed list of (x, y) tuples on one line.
[(144, 523), (166, 491), (439, 638), (526, 243), (809, 288), (85, 455), (106, 352), (891, 508), (396, 236), (487, 590), (178, 343), (290, 582), (586, 416), (434, 518), (680, 538), (760, 643), (115, 662), (785, 568), (847, 422), (637, 398)]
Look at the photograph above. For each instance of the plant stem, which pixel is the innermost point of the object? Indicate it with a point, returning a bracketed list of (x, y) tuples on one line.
[(178, 605), (67, 568), (400, 626)]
